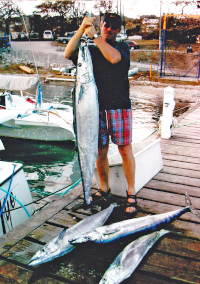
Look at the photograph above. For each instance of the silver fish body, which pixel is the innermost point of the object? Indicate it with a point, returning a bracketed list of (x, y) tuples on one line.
[(131, 256), (60, 245), (117, 230), (86, 118)]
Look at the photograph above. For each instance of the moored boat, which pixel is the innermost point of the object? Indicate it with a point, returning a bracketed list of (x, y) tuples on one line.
[(16, 203), (32, 119)]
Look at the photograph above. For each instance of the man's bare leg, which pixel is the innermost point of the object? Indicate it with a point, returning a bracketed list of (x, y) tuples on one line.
[(129, 170), (103, 168)]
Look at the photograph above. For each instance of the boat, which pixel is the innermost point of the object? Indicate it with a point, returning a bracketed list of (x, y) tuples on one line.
[(26, 118), (148, 162), (16, 203)]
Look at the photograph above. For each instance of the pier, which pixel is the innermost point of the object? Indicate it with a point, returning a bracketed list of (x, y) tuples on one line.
[(174, 259)]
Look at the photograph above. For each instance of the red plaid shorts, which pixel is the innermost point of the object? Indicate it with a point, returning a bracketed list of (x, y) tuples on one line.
[(117, 124)]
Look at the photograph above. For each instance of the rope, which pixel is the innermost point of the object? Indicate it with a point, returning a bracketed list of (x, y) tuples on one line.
[(47, 195), (22, 206), (70, 187), (195, 122)]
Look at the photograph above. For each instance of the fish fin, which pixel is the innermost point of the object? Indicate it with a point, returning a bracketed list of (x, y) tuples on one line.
[(112, 232), (60, 237), (190, 206)]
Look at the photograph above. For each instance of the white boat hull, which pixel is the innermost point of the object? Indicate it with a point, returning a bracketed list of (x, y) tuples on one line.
[(148, 160), (36, 132), (11, 216)]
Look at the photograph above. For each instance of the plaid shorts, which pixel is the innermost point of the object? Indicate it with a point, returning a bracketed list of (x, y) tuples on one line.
[(117, 124)]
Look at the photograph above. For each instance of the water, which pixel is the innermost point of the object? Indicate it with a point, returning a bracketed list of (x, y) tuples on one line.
[(52, 166)]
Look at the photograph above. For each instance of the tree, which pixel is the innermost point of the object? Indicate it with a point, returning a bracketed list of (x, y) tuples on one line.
[(184, 3), (8, 9), (103, 7), (65, 14)]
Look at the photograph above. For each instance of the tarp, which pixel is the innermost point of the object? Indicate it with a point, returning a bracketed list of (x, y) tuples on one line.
[(17, 82)]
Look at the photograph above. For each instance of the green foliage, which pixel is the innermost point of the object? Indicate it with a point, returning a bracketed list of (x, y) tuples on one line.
[(183, 30)]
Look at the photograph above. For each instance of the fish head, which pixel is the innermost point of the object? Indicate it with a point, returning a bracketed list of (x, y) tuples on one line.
[(47, 253)]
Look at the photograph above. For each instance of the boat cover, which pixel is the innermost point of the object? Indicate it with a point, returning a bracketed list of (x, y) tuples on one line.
[(18, 82)]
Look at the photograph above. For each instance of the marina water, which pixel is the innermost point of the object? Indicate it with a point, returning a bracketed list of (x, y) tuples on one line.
[(51, 166)]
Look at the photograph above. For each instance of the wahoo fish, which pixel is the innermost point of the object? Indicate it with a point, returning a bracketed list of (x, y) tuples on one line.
[(117, 230), (60, 245), (86, 118), (131, 256)]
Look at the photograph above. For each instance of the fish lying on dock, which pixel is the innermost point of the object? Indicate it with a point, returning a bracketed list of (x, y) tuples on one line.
[(60, 245), (131, 256), (86, 118), (117, 230)]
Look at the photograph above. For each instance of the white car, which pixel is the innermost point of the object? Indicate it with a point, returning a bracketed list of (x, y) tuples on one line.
[(48, 35)]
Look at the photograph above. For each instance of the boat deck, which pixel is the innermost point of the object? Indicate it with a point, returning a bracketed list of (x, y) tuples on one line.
[(175, 258)]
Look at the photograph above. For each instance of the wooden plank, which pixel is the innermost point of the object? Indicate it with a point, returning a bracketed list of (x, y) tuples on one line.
[(11, 273), (167, 198), (45, 233), (178, 179), (35, 221), (188, 130), (63, 218), (180, 135), (171, 187), (181, 165), (172, 266), (23, 251), (181, 172), (180, 245), (184, 139), (27, 69), (184, 221), (142, 277), (181, 158), (180, 143), (178, 150)]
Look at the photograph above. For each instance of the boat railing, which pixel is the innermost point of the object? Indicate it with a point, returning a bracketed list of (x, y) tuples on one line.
[(43, 111)]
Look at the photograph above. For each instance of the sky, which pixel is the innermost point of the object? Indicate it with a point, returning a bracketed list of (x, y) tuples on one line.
[(131, 8)]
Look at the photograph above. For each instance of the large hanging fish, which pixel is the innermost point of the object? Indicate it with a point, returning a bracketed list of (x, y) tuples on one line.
[(86, 118), (117, 230)]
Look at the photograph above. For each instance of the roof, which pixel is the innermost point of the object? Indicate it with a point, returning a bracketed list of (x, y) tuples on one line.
[(18, 82)]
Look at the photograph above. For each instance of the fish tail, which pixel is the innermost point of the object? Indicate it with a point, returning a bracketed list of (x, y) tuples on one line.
[(190, 206)]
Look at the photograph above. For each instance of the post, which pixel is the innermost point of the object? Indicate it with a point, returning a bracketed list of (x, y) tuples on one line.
[(150, 72)]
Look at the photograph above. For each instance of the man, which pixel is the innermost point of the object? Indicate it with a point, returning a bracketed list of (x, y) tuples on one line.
[(111, 62)]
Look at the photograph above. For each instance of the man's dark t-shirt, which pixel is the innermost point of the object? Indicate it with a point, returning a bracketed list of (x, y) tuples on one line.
[(112, 79)]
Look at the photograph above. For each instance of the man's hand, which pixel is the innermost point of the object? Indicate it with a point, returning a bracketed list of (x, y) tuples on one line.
[(87, 22), (90, 32)]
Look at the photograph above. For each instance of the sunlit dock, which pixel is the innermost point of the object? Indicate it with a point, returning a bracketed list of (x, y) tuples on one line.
[(175, 258)]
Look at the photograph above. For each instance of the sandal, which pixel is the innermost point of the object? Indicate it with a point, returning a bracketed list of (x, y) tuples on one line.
[(102, 195), (131, 204)]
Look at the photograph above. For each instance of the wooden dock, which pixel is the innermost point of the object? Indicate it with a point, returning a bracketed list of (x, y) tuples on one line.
[(175, 258)]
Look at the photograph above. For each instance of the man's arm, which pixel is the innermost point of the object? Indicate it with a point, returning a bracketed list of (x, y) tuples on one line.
[(72, 46)]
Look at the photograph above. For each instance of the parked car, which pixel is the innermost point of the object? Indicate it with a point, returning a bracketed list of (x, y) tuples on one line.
[(121, 37), (19, 36), (48, 34), (133, 45), (66, 38), (5, 43), (34, 36)]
